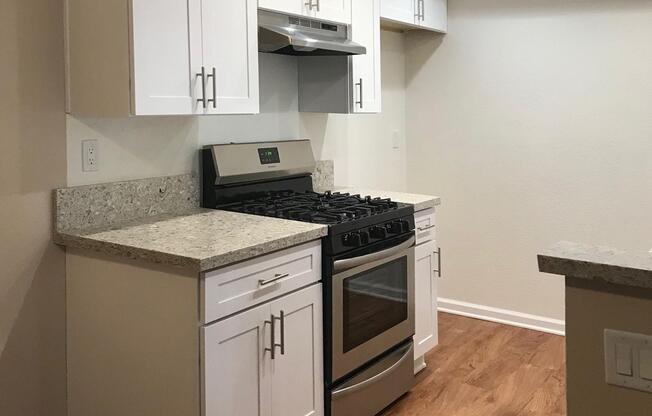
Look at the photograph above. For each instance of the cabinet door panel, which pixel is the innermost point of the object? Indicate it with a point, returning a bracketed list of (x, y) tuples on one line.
[(334, 10), (229, 39), (435, 15), (367, 68), (426, 333), (161, 76), (283, 6), (235, 367), (297, 376), (403, 11)]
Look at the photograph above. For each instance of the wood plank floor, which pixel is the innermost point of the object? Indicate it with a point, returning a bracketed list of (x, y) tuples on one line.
[(486, 369)]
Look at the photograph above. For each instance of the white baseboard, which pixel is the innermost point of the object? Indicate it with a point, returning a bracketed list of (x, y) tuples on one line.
[(503, 316)]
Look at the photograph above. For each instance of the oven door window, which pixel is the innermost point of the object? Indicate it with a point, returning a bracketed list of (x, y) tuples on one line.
[(374, 301)]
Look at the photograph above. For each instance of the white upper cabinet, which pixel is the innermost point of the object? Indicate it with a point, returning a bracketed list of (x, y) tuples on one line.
[(142, 57), (399, 10), (224, 35), (161, 58), (434, 15), (332, 10), (295, 7), (416, 14), (366, 68)]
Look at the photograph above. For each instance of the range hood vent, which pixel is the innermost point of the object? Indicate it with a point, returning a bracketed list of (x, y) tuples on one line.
[(289, 35)]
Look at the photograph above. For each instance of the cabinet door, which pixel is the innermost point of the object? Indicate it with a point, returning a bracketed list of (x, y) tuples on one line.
[(297, 375), (434, 15), (403, 11), (228, 37), (296, 7), (235, 366), (426, 333), (334, 10), (161, 80), (366, 68)]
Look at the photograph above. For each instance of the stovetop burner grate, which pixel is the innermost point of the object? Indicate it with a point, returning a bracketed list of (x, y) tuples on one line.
[(323, 208)]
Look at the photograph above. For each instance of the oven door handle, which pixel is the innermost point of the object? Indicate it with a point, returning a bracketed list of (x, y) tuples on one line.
[(391, 364), (346, 264)]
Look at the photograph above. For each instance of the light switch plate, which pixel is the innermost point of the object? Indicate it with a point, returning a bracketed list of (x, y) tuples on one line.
[(628, 359)]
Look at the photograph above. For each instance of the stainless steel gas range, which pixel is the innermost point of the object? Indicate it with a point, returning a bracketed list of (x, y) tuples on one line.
[(368, 270)]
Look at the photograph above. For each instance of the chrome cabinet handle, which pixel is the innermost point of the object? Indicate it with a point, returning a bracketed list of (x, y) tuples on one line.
[(418, 13), (272, 347), (276, 278), (213, 100), (203, 99), (422, 229), (319, 5), (423, 10), (438, 253), (360, 103), (273, 344), (282, 344)]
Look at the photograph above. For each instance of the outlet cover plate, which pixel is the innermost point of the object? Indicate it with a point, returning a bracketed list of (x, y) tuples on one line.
[(640, 344), (89, 155)]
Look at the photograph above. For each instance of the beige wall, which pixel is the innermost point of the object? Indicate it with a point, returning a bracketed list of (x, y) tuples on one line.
[(532, 119), (32, 163), (588, 313)]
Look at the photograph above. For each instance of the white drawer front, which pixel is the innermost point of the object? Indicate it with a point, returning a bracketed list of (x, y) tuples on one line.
[(424, 222), (234, 288)]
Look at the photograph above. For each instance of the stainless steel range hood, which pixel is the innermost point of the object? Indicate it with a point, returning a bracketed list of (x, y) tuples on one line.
[(290, 35)]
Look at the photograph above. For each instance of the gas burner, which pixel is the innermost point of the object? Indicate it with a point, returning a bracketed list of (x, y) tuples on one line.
[(323, 208)]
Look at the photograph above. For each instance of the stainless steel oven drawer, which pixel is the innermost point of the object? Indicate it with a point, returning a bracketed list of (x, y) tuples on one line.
[(376, 387)]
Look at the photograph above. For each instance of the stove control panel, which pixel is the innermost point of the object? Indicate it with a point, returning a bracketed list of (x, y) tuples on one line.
[(364, 236)]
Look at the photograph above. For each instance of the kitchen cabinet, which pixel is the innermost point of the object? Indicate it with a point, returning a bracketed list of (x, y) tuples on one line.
[(427, 270), (224, 39), (346, 84), (425, 301), (138, 343), (140, 57), (242, 376), (332, 10), (366, 69), (416, 14)]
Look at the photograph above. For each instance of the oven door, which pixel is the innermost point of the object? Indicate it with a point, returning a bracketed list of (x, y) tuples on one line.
[(372, 305)]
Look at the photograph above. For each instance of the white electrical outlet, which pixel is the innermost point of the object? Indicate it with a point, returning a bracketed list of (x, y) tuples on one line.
[(89, 155)]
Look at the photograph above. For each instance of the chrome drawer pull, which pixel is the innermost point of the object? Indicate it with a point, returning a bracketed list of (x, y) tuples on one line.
[(272, 348), (276, 278), (422, 229)]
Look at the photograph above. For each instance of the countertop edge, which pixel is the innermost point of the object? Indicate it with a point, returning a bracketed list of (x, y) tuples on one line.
[(190, 264), (582, 261)]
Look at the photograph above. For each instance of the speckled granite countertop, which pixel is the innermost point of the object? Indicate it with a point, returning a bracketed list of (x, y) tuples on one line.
[(199, 241), (419, 201), (583, 261)]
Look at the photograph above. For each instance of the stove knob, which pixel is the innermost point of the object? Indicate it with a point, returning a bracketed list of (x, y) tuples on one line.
[(351, 240), (394, 227), (378, 232), (364, 237), (405, 226)]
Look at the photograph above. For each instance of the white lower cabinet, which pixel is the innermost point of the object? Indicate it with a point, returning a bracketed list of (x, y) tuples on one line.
[(240, 376), (426, 271), (425, 288)]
